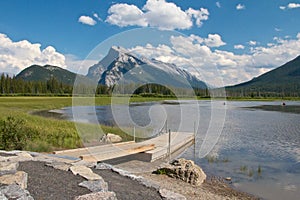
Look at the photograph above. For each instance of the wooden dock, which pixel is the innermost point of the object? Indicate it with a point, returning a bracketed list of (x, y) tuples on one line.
[(149, 150)]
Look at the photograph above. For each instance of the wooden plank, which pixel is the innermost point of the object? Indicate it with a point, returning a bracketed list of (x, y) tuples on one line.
[(116, 153), (152, 149), (86, 150)]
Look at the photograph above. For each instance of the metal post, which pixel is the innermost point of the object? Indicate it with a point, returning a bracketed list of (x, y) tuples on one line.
[(166, 124), (194, 141), (169, 148), (134, 133)]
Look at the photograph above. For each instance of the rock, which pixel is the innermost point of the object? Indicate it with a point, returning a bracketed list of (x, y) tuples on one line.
[(85, 172), (19, 178), (169, 195), (8, 168), (15, 192), (2, 196), (185, 170), (98, 196), (84, 163), (103, 166), (21, 157), (95, 186), (59, 166), (111, 138)]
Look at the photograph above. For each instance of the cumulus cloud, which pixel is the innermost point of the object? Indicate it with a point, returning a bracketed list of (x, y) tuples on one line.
[(87, 20), (125, 15), (290, 6), (97, 17), (240, 7), (156, 13), (198, 15), (214, 40), (239, 46), (78, 65), (233, 68), (293, 5), (252, 43), (16, 56)]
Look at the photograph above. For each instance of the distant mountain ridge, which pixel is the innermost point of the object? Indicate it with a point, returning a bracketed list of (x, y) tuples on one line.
[(119, 63), (45, 73), (282, 80)]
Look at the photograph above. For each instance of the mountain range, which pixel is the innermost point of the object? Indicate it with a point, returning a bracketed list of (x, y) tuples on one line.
[(121, 66), (282, 80)]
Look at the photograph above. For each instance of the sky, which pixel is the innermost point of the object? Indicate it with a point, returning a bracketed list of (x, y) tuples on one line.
[(240, 39)]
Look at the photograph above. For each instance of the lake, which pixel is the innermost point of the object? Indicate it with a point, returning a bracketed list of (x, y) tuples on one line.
[(257, 144)]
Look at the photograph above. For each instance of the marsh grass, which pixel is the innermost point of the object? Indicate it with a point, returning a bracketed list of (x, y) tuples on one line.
[(215, 159), (250, 171), (53, 134)]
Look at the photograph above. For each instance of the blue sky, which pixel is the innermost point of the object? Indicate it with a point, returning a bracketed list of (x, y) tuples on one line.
[(234, 36)]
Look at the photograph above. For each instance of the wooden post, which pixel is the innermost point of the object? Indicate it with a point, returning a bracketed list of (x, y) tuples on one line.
[(169, 147), (194, 141), (134, 133), (166, 124)]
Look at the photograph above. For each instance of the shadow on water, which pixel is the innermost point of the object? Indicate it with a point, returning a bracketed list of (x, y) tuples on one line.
[(279, 108)]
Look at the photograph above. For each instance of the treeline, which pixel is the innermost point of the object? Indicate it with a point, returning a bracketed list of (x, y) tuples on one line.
[(263, 92), (12, 85), (16, 86)]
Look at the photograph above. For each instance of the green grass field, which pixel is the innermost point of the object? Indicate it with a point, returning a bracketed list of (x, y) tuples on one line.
[(48, 133)]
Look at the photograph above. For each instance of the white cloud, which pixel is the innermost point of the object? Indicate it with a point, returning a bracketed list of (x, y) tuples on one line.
[(77, 65), (126, 15), (97, 17), (192, 51), (198, 15), (282, 7), (240, 7), (252, 43), (16, 56), (290, 6), (239, 46), (218, 4), (156, 13), (293, 5), (165, 15), (278, 29), (214, 40), (87, 20)]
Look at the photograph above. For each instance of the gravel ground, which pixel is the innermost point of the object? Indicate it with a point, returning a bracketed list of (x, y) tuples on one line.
[(47, 183), (125, 188)]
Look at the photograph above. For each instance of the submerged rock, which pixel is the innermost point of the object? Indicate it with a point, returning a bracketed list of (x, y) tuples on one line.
[(185, 170)]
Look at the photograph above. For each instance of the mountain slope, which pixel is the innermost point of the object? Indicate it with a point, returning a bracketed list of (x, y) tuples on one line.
[(284, 79), (44, 73), (119, 64)]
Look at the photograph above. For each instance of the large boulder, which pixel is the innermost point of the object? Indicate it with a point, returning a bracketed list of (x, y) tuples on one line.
[(111, 138), (185, 170)]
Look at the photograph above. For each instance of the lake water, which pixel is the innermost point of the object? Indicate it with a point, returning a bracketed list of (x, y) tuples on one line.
[(259, 149)]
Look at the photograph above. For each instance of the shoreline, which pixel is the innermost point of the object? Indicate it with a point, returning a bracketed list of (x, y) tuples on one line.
[(38, 167)]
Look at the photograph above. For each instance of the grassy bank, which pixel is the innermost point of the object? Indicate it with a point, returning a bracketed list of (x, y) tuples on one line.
[(21, 130)]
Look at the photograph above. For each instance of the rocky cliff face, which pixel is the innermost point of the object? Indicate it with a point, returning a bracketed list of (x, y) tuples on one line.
[(121, 64)]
